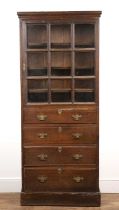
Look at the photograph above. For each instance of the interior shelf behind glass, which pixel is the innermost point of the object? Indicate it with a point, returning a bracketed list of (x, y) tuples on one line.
[(58, 74), (60, 71), (37, 64), (84, 97), (60, 96), (36, 36), (38, 72), (84, 35), (84, 63), (38, 97), (61, 36), (84, 71)]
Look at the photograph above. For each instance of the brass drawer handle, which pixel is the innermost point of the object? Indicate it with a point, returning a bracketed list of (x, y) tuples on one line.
[(42, 157), (42, 135), (41, 117), (42, 179), (78, 179), (77, 156), (76, 117), (77, 135)]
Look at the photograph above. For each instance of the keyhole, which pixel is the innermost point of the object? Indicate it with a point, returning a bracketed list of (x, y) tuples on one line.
[(59, 129), (59, 149)]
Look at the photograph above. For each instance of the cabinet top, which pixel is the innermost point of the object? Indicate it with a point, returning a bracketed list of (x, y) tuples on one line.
[(61, 15)]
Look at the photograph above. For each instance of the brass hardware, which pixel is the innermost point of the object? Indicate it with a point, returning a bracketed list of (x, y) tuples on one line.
[(77, 156), (59, 149), (59, 111), (42, 179), (24, 67), (42, 135), (42, 157), (59, 129), (41, 117), (60, 170), (77, 135), (78, 179), (76, 116)]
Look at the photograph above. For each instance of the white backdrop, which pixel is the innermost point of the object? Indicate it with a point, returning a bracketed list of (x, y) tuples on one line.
[(10, 157)]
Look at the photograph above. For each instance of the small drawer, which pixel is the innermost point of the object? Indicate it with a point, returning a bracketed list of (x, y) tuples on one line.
[(36, 156), (59, 116), (60, 178), (37, 135)]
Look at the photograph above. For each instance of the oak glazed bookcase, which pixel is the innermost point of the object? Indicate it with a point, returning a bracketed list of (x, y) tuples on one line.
[(60, 103)]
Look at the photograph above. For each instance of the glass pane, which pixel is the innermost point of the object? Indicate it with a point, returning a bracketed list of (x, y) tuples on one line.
[(84, 90), (84, 71), (37, 84), (84, 35), (84, 63), (84, 96), (84, 83), (61, 84), (61, 36), (61, 90), (37, 36), (61, 63), (61, 96), (37, 64), (38, 97), (60, 71), (38, 90)]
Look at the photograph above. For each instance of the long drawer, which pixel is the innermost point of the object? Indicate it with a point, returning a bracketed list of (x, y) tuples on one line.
[(59, 116), (59, 178), (35, 135), (36, 156)]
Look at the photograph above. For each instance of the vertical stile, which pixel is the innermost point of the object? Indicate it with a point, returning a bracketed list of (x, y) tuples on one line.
[(49, 62), (96, 63), (73, 58), (25, 62)]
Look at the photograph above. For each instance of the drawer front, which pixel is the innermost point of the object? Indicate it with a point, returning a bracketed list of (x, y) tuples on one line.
[(57, 116), (59, 178), (60, 155), (35, 135)]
